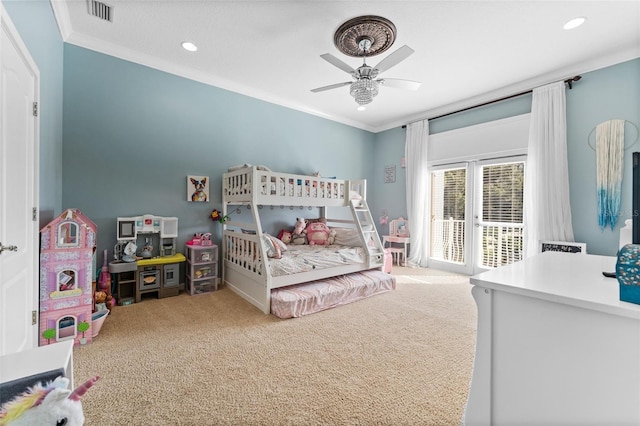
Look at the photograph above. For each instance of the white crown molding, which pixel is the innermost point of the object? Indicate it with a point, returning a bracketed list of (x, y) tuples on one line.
[(196, 75), (61, 13), (541, 80)]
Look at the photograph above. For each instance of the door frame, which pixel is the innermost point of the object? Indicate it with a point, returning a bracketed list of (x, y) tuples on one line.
[(476, 268), (467, 267), (473, 188), (13, 35)]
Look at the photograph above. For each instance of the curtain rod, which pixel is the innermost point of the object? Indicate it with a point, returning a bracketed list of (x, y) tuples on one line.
[(568, 81)]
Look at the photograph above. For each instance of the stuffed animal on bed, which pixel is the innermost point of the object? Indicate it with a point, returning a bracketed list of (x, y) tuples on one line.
[(299, 235), (285, 236), (318, 234), (49, 405), (301, 223), (332, 236), (299, 239)]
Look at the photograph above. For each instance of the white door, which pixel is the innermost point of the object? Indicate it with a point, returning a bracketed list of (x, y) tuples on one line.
[(498, 218), (450, 208), (19, 80), (476, 215)]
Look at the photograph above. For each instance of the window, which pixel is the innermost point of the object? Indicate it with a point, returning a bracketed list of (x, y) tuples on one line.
[(501, 214), (448, 205), (68, 234)]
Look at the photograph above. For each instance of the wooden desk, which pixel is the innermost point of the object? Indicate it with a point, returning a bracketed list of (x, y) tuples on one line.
[(394, 239), (555, 345)]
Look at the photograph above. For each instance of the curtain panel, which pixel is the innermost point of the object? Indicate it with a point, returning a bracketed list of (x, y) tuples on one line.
[(547, 208), (417, 191)]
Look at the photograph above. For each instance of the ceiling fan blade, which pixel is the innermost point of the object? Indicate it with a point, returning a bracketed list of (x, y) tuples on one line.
[(399, 83), (331, 86), (337, 62), (394, 59)]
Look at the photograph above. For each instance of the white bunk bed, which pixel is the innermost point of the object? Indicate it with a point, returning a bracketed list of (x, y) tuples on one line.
[(245, 265)]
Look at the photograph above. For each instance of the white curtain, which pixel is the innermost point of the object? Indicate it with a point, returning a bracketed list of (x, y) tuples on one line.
[(547, 209), (417, 192)]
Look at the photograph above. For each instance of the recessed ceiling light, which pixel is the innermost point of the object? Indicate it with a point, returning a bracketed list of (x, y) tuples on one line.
[(187, 45), (574, 23)]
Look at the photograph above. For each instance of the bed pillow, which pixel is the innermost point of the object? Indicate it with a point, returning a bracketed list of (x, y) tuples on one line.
[(354, 195), (281, 244), (273, 248), (350, 236), (314, 220), (245, 165), (347, 237), (241, 166)]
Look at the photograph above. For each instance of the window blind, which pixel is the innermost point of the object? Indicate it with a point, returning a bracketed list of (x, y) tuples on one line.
[(502, 193)]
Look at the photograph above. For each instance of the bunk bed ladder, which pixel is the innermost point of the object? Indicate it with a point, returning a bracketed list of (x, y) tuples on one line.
[(367, 228)]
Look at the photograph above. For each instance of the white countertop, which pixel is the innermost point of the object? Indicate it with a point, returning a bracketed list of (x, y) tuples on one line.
[(572, 279)]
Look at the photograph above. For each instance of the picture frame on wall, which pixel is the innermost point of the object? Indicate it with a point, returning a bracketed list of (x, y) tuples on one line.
[(198, 189), (389, 174)]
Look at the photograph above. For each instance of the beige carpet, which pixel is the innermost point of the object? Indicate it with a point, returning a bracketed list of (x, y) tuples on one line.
[(399, 358)]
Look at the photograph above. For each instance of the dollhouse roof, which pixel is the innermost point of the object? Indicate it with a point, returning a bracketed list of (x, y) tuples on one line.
[(74, 215)]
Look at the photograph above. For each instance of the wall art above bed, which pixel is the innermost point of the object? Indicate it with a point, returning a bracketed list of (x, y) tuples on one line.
[(198, 188)]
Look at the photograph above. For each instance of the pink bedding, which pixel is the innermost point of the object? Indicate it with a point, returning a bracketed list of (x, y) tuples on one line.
[(315, 296)]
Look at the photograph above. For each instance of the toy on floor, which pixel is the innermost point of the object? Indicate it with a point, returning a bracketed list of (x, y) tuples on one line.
[(49, 405)]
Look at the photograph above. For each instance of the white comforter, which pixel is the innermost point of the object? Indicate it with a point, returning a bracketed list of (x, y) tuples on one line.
[(304, 258)]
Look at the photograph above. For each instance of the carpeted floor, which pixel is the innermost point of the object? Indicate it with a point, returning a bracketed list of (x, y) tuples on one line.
[(399, 358)]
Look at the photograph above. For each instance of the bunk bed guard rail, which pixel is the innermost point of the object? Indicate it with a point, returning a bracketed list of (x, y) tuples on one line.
[(263, 187)]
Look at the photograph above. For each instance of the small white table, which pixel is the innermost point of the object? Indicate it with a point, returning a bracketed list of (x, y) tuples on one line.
[(38, 360), (396, 251)]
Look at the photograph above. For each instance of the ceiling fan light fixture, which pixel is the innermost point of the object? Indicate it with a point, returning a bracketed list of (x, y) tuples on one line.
[(364, 90), (376, 32), (366, 36)]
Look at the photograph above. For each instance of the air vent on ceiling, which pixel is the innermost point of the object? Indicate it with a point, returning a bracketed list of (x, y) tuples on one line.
[(100, 10)]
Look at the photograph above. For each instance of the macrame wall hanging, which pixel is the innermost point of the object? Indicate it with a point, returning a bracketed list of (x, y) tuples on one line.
[(609, 147)]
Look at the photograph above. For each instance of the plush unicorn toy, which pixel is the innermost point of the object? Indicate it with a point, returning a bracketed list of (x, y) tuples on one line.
[(49, 405)]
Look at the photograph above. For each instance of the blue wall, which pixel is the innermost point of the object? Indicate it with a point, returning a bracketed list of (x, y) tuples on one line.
[(612, 92), (609, 93), (132, 134), (36, 24)]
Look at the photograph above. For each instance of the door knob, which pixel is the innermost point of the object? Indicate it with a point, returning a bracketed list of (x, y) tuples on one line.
[(8, 248)]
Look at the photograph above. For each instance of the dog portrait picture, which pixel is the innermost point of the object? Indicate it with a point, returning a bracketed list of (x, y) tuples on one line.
[(198, 189)]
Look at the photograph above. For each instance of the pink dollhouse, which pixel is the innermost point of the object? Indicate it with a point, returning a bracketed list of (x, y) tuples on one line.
[(67, 246)]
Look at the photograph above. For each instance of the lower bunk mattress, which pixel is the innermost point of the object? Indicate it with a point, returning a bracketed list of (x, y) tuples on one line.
[(315, 296)]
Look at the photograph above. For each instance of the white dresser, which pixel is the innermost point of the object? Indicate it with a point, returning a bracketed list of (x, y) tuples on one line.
[(555, 345)]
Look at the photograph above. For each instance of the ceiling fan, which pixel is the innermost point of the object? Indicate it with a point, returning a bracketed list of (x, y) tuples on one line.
[(365, 84)]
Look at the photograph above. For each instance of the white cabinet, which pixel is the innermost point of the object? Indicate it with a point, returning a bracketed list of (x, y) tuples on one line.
[(554, 345)]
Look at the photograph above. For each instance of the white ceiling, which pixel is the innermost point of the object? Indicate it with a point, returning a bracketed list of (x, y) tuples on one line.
[(466, 52)]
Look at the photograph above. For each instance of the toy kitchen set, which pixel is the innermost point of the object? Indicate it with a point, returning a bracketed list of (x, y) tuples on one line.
[(145, 258)]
